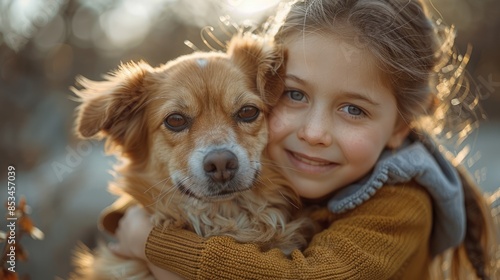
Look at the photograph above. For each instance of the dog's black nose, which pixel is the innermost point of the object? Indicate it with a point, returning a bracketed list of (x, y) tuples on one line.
[(220, 165)]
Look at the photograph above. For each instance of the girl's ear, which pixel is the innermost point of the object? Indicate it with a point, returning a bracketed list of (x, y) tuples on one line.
[(109, 107), (399, 134), (262, 59)]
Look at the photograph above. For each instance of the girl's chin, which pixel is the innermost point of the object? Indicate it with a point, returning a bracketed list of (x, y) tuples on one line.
[(311, 190)]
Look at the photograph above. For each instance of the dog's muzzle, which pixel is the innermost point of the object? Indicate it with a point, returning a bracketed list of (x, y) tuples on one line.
[(217, 172)]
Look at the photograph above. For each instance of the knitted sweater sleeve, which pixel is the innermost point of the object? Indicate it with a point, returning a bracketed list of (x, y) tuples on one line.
[(372, 241)]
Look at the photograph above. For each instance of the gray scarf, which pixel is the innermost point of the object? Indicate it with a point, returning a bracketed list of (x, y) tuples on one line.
[(428, 167)]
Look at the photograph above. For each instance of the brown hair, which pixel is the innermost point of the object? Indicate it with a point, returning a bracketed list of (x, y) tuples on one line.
[(427, 77)]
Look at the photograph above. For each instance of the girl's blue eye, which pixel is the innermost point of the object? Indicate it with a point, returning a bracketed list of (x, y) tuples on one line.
[(353, 110), (295, 95)]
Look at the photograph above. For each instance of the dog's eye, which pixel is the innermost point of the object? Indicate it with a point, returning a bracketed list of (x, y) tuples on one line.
[(176, 122), (248, 114)]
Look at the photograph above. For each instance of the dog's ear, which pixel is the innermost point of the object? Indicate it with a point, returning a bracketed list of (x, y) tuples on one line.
[(109, 108), (262, 59)]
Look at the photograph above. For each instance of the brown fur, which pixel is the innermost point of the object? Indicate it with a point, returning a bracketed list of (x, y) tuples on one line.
[(160, 167)]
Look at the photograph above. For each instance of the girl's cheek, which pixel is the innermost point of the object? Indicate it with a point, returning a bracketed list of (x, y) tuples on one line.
[(360, 146), (279, 122)]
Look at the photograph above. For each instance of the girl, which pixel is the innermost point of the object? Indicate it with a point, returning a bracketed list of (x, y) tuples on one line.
[(354, 133)]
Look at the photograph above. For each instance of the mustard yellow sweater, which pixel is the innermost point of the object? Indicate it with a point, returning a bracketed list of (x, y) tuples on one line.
[(387, 237)]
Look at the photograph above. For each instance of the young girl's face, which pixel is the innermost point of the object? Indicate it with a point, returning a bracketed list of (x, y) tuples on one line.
[(334, 118)]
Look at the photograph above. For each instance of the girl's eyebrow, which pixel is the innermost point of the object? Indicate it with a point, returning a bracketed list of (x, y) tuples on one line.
[(296, 79), (361, 96)]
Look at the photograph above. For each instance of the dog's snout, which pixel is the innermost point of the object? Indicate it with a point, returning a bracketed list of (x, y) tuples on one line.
[(220, 165)]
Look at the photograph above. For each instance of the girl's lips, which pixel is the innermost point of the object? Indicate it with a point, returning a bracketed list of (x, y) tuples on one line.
[(308, 164)]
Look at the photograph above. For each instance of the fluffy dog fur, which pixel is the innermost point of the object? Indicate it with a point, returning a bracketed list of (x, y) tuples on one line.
[(190, 135)]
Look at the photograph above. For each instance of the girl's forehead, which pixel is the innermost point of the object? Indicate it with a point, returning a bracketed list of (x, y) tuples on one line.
[(317, 49), (332, 62), (339, 29), (345, 45)]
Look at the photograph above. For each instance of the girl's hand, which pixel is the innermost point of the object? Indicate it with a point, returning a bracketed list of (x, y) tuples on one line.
[(132, 234), (131, 237)]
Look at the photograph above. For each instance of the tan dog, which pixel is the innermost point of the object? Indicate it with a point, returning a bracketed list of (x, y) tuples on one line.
[(191, 135)]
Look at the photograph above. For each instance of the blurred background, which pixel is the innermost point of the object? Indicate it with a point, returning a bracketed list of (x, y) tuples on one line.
[(45, 44)]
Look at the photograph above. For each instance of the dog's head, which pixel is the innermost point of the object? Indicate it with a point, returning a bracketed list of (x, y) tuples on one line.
[(198, 121)]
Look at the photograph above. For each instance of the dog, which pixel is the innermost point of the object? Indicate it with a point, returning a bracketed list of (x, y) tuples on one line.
[(191, 136)]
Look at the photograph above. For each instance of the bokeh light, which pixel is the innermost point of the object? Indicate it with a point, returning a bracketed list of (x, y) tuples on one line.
[(250, 7)]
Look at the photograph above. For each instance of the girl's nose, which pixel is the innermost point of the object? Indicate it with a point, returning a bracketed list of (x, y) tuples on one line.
[(316, 131)]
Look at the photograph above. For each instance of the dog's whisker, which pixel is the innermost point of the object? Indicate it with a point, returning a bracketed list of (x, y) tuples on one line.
[(265, 183), (162, 194), (182, 181), (173, 189), (291, 202), (148, 189), (163, 186), (271, 183), (184, 191), (164, 180)]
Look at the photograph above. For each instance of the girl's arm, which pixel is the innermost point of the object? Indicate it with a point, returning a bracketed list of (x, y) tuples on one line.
[(373, 241)]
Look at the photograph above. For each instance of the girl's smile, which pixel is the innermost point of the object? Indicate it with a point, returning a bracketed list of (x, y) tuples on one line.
[(311, 165)]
